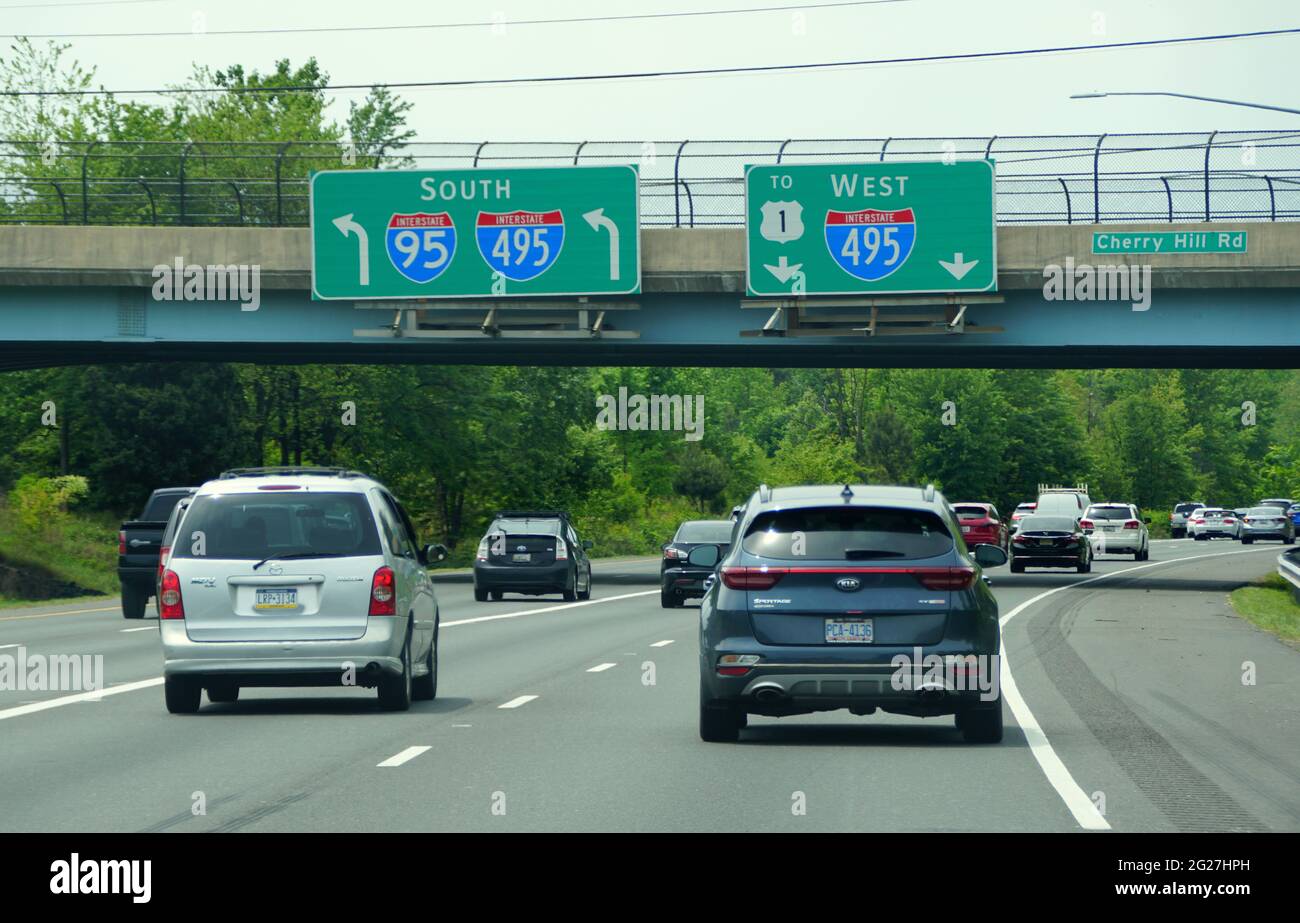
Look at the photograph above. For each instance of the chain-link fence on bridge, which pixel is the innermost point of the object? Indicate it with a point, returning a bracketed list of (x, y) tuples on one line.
[(1044, 179)]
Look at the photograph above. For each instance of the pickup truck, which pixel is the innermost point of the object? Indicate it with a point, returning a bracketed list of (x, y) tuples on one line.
[(138, 544)]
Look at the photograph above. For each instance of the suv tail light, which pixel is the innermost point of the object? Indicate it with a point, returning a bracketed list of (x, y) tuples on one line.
[(383, 592), (482, 553), (1085, 525), (170, 604), (121, 542), (752, 578), (1132, 524), (950, 578)]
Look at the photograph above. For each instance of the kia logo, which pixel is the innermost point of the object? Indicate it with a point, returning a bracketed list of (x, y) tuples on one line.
[(848, 584)]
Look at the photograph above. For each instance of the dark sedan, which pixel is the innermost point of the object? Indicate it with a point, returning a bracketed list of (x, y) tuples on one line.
[(678, 579), (1050, 541)]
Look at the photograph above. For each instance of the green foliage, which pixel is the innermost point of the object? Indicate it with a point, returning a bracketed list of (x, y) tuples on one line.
[(41, 504)]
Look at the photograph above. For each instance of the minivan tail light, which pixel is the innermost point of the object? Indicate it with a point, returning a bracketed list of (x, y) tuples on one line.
[(383, 595), (170, 604), (752, 578), (162, 559), (950, 578), (121, 542)]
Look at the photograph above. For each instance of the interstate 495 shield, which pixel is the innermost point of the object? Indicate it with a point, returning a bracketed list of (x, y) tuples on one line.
[(479, 233), (870, 228)]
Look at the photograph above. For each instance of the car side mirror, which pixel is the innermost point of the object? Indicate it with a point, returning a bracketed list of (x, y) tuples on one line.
[(990, 556), (586, 544), (431, 554), (704, 556)]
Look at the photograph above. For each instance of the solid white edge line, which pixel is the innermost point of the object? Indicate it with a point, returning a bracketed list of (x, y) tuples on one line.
[(92, 696), (1076, 800), (405, 756), (522, 612), (602, 667), (517, 701)]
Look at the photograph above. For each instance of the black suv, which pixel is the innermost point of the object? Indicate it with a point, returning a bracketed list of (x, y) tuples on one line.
[(532, 552), (678, 580), (852, 596)]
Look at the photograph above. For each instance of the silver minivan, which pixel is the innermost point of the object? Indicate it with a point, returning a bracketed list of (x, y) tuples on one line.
[(297, 577)]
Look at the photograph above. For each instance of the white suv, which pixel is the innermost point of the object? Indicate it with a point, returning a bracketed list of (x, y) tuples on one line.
[(297, 577), (1117, 528)]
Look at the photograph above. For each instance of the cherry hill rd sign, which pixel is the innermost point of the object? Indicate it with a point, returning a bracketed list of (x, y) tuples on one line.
[(870, 228), (388, 234)]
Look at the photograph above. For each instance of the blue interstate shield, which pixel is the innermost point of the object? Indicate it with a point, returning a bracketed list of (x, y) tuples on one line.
[(870, 244), (520, 245), (421, 246)]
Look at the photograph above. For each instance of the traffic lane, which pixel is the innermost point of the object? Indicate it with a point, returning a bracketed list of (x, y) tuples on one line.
[(1137, 681), (614, 745), (80, 767)]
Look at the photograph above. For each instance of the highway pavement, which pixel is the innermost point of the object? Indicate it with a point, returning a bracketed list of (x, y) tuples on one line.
[(1126, 710)]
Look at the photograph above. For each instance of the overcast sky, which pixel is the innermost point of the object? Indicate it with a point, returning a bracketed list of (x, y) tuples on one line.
[(1019, 96)]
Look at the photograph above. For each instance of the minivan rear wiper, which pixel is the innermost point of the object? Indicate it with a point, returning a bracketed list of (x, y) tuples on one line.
[(863, 554), (300, 554)]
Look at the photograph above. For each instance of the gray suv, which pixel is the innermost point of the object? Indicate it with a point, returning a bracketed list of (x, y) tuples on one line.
[(849, 597)]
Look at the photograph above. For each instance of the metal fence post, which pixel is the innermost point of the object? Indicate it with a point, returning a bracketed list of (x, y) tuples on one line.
[(1069, 212), (781, 151), (1169, 196), (185, 153), (677, 173), (1272, 202), (578, 152), (1096, 182), (153, 209), (85, 189), (279, 185), (1208, 144)]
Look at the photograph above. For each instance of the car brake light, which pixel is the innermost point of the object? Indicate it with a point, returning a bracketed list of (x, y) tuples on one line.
[(752, 578), (1225, 522), (121, 542), (561, 550), (1085, 524), (1019, 539), (170, 604), (383, 599), (947, 578), (162, 559), (1198, 522), (482, 553), (1132, 524)]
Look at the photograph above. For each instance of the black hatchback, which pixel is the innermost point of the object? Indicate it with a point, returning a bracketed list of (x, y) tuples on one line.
[(850, 597), (532, 552)]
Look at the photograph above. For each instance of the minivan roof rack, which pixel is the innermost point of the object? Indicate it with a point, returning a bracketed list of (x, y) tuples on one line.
[(764, 493), (289, 470), (928, 493)]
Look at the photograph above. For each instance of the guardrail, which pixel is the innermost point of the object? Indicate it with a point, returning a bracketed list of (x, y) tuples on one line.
[(1041, 179), (1288, 565)]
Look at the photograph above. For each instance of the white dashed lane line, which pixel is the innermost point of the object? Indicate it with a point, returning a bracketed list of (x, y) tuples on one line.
[(405, 756), (516, 702), (602, 667), (662, 643)]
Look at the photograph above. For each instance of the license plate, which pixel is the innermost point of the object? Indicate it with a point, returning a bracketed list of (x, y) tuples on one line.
[(276, 599), (849, 631), (1046, 541), (521, 558)]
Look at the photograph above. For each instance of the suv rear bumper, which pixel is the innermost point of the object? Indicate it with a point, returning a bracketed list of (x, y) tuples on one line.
[(306, 663), (522, 578)]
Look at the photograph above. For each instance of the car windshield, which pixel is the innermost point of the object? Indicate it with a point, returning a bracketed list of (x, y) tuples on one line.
[(1047, 524), (1185, 508), (1109, 512), (258, 526), (526, 526), (704, 531), (970, 512), (851, 533)]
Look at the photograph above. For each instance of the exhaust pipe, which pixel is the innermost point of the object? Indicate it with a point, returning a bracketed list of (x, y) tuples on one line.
[(769, 694)]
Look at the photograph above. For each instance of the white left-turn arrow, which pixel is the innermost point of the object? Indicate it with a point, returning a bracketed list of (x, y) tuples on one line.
[(597, 220), (347, 226)]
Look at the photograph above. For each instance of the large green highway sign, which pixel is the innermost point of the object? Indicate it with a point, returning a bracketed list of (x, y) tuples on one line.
[(386, 234), (870, 228)]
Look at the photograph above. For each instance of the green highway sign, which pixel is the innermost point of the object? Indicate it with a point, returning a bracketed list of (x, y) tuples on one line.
[(481, 233), (1169, 241), (870, 228)]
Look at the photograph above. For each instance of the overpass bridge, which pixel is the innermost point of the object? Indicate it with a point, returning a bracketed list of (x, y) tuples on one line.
[(76, 294)]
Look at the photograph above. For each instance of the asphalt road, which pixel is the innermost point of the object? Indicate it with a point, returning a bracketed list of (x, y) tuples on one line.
[(1126, 711)]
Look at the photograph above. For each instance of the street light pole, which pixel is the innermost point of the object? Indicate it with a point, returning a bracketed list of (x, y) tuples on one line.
[(1204, 99)]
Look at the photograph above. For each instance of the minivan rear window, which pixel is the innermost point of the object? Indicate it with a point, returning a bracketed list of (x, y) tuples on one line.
[(256, 526), (841, 533)]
